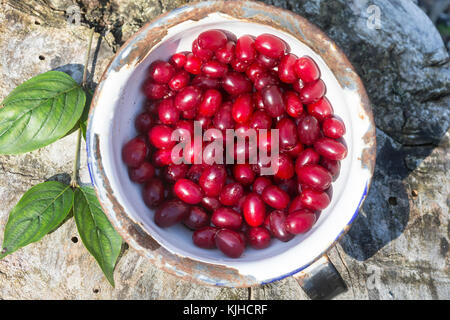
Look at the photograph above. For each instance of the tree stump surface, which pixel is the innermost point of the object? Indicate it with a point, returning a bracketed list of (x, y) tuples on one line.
[(398, 247)]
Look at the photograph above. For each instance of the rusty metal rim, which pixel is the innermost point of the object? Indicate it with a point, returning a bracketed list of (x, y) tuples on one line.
[(368, 161)]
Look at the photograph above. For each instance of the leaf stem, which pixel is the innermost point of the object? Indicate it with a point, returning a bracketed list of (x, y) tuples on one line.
[(74, 180)]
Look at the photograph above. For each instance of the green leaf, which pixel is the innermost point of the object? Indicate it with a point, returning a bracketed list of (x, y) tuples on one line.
[(96, 232), (41, 209), (39, 112), (85, 115)]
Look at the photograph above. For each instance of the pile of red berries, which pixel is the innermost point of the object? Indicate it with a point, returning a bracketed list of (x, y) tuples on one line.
[(249, 83)]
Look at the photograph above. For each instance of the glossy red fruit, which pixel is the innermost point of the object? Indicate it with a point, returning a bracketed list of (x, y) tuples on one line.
[(289, 186), (275, 197), (286, 71), (188, 191), (204, 82), (225, 54), (333, 166), (201, 53), (143, 173), (143, 122), (243, 173), (153, 193), (214, 69), (260, 184), (134, 152), (167, 112), (245, 49), (331, 149), (307, 156), (306, 69), (320, 109), (254, 70), (161, 71), (194, 172), (212, 39), (266, 62), (162, 157), (213, 179), (193, 64), (185, 129), (298, 85), (276, 223), (260, 120), (270, 45), (254, 210), (226, 218), (155, 91), (294, 107), (294, 151), (296, 204), (308, 130), (314, 176), (179, 80), (170, 213), (273, 101), (178, 60), (160, 136), (235, 83), (211, 204), (175, 172), (300, 221), (266, 79), (315, 200), (196, 219), (258, 100), (287, 133), (258, 237), (231, 193), (188, 98), (312, 92), (284, 167), (223, 118), (242, 108), (333, 128), (230, 243), (239, 65), (205, 237), (189, 114)]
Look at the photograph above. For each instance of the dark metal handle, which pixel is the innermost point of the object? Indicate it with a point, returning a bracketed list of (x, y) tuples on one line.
[(321, 280)]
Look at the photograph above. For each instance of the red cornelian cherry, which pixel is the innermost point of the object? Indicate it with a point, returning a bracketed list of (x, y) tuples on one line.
[(286, 70), (296, 204), (231, 193), (239, 65), (242, 108), (254, 70), (270, 45), (320, 109), (275, 197), (193, 64), (314, 176), (225, 54), (235, 83), (204, 82), (243, 173), (226, 218), (258, 100), (143, 173), (223, 118), (258, 237), (294, 107), (155, 91), (333, 128), (260, 184), (167, 112), (265, 79), (214, 69), (202, 53), (276, 223), (188, 98), (160, 136), (162, 157), (153, 193), (179, 80), (312, 92), (307, 70), (307, 156), (212, 39), (287, 133), (143, 122), (188, 191), (294, 151), (315, 200), (211, 204), (331, 149), (205, 237), (300, 221), (175, 172), (196, 219), (273, 101), (230, 243), (134, 152), (213, 179), (333, 166), (266, 62), (308, 130), (284, 166), (245, 49), (260, 120), (178, 60), (170, 213), (161, 71), (254, 210)]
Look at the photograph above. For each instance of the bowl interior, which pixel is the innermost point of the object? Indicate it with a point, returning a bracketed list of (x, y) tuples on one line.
[(121, 99)]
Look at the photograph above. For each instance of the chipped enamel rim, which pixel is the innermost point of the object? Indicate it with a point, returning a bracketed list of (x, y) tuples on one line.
[(118, 99)]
